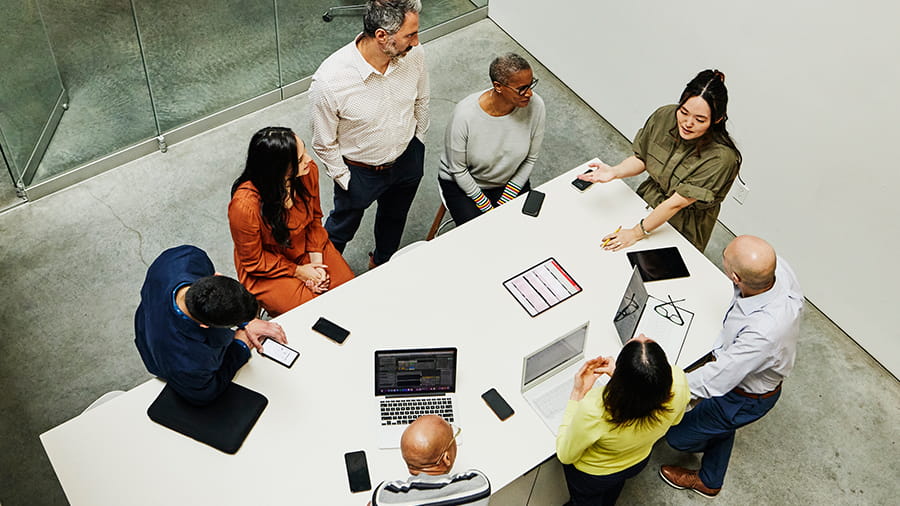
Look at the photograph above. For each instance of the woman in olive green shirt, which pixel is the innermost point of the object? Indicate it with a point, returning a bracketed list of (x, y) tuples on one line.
[(691, 162)]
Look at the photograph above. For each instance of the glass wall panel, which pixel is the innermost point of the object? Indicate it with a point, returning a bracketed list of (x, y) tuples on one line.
[(204, 56), (306, 39), (435, 12), (29, 83), (99, 59)]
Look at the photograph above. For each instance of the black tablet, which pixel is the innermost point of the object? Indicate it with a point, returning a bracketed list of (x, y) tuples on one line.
[(659, 264)]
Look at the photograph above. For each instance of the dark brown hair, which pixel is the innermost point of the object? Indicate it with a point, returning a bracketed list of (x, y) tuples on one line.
[(640, 386), (709, 85), (272, 155)]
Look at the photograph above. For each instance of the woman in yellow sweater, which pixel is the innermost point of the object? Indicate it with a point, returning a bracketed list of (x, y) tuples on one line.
[(607, 433)]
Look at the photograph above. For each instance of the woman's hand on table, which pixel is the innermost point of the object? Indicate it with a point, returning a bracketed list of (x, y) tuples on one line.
[(622, 238), (602, 173)]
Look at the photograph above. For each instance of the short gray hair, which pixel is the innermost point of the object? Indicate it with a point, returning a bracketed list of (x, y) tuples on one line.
[(505, 65), (388, 15)]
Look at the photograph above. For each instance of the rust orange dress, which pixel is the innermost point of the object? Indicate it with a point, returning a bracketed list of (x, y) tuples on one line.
[(267, 269)]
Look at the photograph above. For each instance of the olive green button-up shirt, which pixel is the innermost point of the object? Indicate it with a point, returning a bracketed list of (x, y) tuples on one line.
[(674, 165)]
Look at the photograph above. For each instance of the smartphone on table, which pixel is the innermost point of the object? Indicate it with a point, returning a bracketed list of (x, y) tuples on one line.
[(331, 330), (533, 203), (498, 404), (357, 471)]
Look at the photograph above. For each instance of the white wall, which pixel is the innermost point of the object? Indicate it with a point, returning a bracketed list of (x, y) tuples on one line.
[(814, 107)]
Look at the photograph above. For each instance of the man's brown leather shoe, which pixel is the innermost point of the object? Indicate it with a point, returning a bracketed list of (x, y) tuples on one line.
[(682, 478)]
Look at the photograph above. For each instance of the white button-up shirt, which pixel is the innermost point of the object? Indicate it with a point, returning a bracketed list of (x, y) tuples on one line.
[(758, 343), (364, 115)]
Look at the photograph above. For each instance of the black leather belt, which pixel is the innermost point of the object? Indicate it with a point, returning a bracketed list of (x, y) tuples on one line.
[(370, 167)]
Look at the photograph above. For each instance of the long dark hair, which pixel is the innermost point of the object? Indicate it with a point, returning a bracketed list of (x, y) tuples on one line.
[(273, 154), (709, 85), (640, 386)]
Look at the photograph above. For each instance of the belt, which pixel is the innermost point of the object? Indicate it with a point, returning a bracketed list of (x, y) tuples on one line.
[(370, 167), (766, 395)]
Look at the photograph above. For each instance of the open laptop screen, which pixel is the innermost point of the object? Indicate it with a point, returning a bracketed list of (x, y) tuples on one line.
[(553, 355), (632, 306), (411, 372)]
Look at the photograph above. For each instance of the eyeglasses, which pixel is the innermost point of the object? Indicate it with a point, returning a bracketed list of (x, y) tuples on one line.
[(522, 90), (453, 440), (627, 310), (675, 317)]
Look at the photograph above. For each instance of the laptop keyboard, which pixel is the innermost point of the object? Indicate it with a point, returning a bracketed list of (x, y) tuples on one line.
[(549, 402), (405, 411)]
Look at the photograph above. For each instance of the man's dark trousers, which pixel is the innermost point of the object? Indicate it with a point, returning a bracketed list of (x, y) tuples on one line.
[(393, 188), (709, 428)]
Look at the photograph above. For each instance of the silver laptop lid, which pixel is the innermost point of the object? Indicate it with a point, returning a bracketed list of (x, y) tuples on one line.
[(424, 371), (557, 355), (631, 308)]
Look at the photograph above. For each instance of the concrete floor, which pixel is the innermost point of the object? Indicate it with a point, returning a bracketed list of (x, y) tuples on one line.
[(73, 263)]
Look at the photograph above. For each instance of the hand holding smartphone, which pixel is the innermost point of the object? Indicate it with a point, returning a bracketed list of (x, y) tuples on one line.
[(582, 185), (278, 352)]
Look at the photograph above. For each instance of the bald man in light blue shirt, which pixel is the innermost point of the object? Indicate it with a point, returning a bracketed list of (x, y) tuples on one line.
[(753, 354)]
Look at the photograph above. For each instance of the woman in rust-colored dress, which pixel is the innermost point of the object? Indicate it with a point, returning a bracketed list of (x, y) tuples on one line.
[(281, 250)]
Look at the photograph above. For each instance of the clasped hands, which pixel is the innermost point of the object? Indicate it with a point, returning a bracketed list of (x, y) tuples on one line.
[(315, 276), (589, 373)]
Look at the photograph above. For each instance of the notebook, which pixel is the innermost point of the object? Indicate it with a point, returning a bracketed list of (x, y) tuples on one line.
[(411, 383), (666, 322), (549, 373)]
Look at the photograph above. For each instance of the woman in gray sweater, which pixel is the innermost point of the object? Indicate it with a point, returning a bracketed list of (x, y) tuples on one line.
[(492, 141)]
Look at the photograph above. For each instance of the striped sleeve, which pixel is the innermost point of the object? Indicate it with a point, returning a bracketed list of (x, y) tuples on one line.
[(511, 191)]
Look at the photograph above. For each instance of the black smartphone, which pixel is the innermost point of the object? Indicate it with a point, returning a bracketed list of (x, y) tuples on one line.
[(582, 185), (357, 471), (533, 202), (497, 404), (331, 330), (279, 352)]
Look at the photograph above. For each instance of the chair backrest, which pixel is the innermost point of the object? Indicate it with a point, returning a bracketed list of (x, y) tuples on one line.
[(108, 396)]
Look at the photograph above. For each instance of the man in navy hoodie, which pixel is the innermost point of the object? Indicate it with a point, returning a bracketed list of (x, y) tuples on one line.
[(183, 325)]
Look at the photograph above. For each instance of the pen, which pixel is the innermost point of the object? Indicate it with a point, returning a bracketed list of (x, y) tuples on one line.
[(606, 241)]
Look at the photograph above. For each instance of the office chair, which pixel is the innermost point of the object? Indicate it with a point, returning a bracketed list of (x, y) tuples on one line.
[(342, 10), (108, 396), (437, 226)]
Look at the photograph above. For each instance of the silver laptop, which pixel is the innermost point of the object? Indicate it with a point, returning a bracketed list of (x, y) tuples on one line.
[(409, 384), (549, 373), (665, 321)]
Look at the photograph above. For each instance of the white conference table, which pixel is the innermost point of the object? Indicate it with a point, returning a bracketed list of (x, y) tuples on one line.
[(447, 292)]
